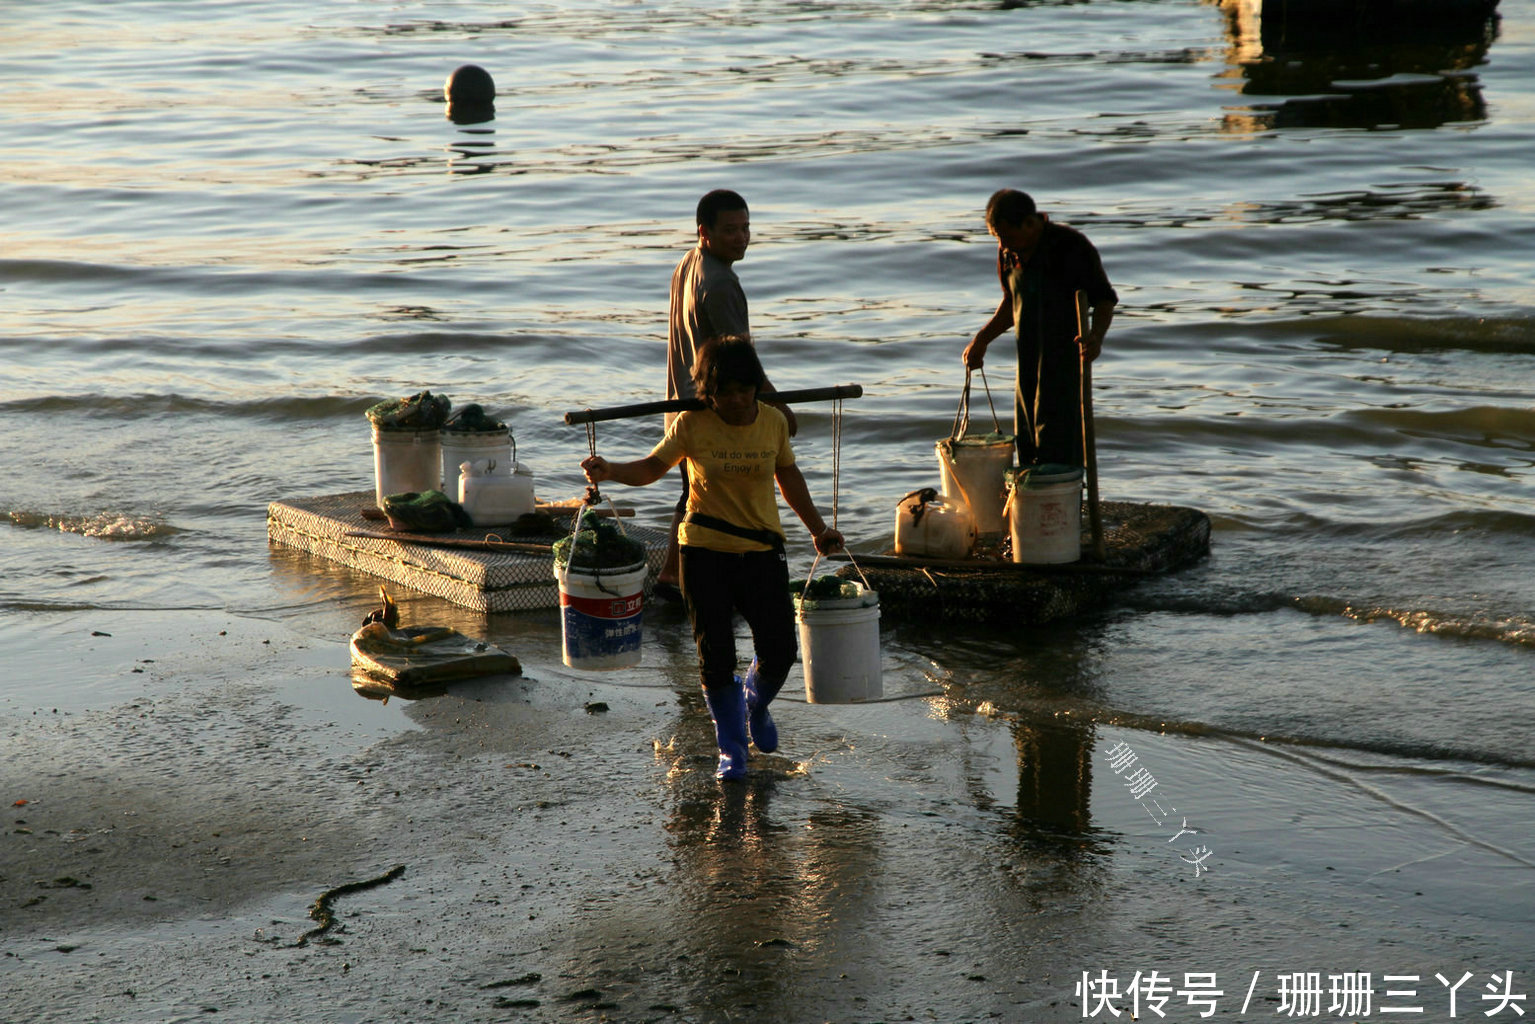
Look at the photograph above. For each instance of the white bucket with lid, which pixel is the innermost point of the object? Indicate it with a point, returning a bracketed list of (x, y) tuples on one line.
[(839, 647), (600, 616), (461, 446), (1044, 512), (406, 461), (974, 471)]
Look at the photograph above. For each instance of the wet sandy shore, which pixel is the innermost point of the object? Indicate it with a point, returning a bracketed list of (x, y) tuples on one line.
[(567, 854)]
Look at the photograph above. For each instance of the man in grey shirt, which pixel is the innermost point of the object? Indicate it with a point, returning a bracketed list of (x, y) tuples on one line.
[(707, 300), (707, 303)]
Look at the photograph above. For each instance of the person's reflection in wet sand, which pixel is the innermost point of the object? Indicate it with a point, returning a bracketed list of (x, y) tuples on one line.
[(758, 888), (1054, 778)]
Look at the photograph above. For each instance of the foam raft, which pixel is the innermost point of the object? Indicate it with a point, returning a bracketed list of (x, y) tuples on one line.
[(486, 570), (1139, 541)]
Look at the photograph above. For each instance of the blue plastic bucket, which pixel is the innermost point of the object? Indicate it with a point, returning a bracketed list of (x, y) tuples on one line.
[(600, 612)]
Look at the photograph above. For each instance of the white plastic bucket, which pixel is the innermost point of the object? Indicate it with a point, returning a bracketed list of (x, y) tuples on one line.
[(974, 471), (461, 446), (600, 613), (839, 646), (1044, 511), (934, 529), (406, 461)]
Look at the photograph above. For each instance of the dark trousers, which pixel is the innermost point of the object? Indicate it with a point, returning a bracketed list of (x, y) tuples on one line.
[(716, 585), (1047, 403)]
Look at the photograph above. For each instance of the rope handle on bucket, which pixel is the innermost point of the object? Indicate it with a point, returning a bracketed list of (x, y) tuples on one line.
[(811, 575), (593, 496), (962, 414), (962, 426), (836, 475)]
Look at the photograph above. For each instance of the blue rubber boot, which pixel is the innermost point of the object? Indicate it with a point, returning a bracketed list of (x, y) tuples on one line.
[(727, 706), (759, 694)]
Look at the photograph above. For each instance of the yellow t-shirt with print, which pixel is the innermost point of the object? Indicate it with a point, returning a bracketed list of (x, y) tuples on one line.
[(731, 471)]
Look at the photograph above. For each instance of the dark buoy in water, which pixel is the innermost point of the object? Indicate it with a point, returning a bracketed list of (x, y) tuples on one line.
[(471, 95)]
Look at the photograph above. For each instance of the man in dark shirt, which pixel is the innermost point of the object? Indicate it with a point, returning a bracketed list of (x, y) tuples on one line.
[(1041, 267)]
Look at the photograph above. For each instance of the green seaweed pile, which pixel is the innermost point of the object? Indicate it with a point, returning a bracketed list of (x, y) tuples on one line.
[(424, 411), (599, 544), (824, 588), (426, 512), (473, 419)]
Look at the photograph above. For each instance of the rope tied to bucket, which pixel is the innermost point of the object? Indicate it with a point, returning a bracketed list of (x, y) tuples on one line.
[(593, 494), (594, 497), (836, 480), (962, 427), (962, 414)]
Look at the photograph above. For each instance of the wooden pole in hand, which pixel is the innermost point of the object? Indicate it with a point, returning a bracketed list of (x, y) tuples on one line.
[(1089, 441)]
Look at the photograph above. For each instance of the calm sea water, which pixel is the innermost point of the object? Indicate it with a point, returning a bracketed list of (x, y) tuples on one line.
[(226, 234)]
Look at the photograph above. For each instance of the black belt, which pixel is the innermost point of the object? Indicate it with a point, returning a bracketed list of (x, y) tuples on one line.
[(768, 537)]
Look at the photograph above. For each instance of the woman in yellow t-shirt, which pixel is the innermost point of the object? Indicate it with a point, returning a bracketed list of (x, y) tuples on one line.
[(731, 539)]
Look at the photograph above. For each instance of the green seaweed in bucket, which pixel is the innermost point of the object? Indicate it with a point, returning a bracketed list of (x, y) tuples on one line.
[(473, 419), (823, 587), (826, 588), (599, 544), (424, 411)]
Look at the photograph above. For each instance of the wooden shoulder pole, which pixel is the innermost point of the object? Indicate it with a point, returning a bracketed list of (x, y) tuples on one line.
[(621, 412), (1089, 441)]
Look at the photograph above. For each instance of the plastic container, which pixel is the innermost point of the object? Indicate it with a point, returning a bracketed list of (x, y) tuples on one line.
[(934, 529), (974, 471), (461, 446), (405, 461), (1044, 511), (839, 646), (600, 612), (491, 495)]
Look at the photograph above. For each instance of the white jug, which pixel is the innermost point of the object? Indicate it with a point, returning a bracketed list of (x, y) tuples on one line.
[(492, 495), (933, 527)]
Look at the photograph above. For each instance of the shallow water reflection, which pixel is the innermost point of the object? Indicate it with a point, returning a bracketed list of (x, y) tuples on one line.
[(1055, 778), (758, 887)]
